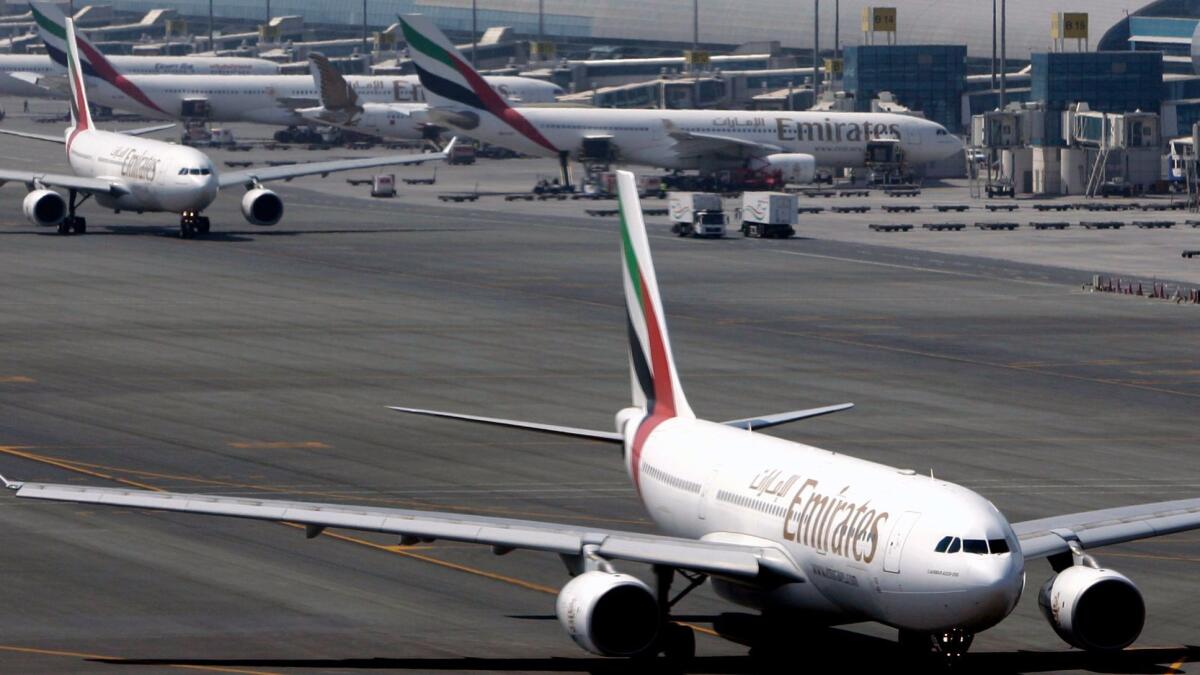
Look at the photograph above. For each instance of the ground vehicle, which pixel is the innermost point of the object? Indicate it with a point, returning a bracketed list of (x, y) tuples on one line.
[(384, 185), (768, 214), (462, 154), (1000, 188), (699, 214)]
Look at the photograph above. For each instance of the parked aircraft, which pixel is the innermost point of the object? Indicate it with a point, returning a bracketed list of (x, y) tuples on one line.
[(782, 527), (265, 99), (340, 106), (791, 143), (126, 173)]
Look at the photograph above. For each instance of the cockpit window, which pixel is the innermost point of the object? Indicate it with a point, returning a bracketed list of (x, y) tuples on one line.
[(998, 545), (205, 172), (941, 132), (194, 172), (943, 544), (954, 546), (978, 546), (183, 172)]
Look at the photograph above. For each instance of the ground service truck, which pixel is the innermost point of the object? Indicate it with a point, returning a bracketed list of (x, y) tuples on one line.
[(768, 214), (699, 214)]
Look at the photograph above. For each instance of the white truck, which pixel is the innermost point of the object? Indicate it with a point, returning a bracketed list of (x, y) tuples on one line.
[(768, 214), (699, 214)]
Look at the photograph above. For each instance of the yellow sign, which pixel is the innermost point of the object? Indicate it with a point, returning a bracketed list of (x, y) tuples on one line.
[(542, 50), (696, 58), (834, 67), (879, 19), (1069, 26)]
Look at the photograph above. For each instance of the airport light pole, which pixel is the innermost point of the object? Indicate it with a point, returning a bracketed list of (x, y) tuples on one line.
[(816, 45), (837, 29), (364, 31), (541, 22), (1003, 51), (474, 30), (993, 44), (212, 47)]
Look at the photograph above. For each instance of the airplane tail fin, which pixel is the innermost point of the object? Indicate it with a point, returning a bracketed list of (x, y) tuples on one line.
[(335, 93), (81, 115), (448, 79), (656, 386)]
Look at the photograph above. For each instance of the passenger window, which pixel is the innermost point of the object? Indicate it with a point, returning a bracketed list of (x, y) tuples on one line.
[(978, 546), (954, 546), (943, 544), (998, 545)]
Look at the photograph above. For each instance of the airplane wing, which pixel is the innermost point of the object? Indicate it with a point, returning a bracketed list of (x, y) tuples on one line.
[(1045, 537), (503, 534), (252, 176), (767, 421), (694, 144), (80, 183)]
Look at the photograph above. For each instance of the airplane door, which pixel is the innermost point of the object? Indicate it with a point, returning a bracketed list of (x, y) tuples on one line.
[(706, 493), (891, 556)]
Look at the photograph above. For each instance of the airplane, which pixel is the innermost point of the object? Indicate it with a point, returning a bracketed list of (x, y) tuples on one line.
[(35, 75), (265, 99), (791, 144), (781, 527), (127, 173), (340, 106)]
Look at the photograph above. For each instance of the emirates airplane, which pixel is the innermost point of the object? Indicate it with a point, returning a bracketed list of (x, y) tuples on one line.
[(790, 143), (265, 99), (771, 524), (31, 75), (126, 173)]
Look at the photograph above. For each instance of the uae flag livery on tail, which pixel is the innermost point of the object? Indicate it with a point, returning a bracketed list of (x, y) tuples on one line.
[(656, 386), (446, 75)]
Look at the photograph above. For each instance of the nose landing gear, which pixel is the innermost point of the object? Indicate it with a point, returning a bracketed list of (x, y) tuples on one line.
[(951, 644), (192, 223)]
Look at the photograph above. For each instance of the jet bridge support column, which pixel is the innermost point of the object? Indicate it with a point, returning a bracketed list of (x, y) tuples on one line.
[(564, 170)]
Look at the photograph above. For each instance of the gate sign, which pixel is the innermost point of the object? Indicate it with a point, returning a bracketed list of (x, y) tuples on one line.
[(1069, 26), (879, 19)]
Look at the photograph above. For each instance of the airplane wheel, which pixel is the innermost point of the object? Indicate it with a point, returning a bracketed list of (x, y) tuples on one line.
[(64, 227), (203, 225), (80, 225), (187, 230), (679, 643)]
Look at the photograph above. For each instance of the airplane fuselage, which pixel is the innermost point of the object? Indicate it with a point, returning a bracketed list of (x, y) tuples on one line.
[(43, 65), (865, 535), (385, 120), (155, 176), (273, 99), (642, 137)]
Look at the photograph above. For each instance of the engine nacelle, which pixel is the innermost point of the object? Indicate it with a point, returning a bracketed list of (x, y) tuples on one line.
[(609, 614), (44, 207), (795, 167), (1093, 609), (262, 207)]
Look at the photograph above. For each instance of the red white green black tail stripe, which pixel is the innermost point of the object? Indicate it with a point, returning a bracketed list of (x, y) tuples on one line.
[(445, 74), (81, 116), (656, 386), (51, 25)]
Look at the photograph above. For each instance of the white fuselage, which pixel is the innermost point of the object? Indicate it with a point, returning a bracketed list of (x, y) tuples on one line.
[(406, 121), (274, 99), (863, 534), (156, 176), (43, 65), (642, 137)]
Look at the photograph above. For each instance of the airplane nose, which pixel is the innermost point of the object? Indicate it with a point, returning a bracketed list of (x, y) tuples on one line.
[(997, 584)]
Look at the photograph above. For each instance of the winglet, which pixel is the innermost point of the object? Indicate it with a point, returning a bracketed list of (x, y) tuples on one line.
[(449, 146), (10, 484)]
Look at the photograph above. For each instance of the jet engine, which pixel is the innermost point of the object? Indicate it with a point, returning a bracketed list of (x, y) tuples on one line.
[(609, 614), (794, 166), (1093, 608), (262, 207), (44, 207)]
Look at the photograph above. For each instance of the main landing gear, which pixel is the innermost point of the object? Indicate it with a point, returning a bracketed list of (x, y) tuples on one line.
[(73, 223), (676, 642), (951, 645), (192, 223)]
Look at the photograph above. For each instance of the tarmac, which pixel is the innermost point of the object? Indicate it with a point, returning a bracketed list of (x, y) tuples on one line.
[(260, 361)]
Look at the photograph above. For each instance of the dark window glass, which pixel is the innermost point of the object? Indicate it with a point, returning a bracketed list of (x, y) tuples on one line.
[(975, 546), (998, 545), (943, 544), (955, 546)]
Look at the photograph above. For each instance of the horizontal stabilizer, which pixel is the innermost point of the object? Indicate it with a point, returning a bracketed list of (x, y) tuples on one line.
[(147, 130), (765, 421), (610, 436), (60, 139)]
